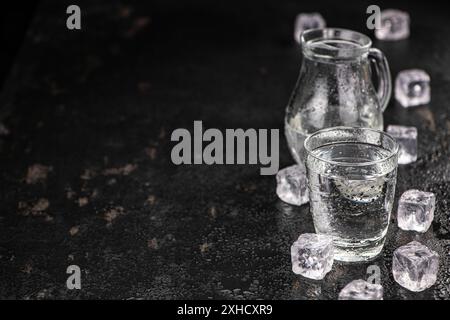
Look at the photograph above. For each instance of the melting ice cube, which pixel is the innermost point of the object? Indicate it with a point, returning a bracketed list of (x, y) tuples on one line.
[(361, 290), (394, 25), (407, 140), (416, 210), (292, 186), (412, 88), (415, 267), (305, 21), (312, 255)]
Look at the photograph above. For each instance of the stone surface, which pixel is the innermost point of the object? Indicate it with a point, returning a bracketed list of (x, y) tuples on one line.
[(407, 140), (416, 210), (312, 255), (361, 290), (394, 25), (292, 185), (415, 266), (412, 88), (305, 21)]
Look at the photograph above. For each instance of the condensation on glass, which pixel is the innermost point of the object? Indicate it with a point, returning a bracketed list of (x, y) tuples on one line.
[(351, 179)]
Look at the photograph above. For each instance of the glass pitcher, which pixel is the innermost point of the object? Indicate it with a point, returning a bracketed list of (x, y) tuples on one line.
[(335, 86)]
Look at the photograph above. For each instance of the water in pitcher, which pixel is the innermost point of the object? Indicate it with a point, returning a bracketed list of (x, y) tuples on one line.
[(352, 203), (296, 135), (295, 139)]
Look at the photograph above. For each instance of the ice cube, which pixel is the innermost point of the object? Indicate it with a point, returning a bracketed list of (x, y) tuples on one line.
[(416, 210), (407, 140), (361, 290), (312, 255), (412, 87), (415, 267), (292, 186), (394, 25), (305, 21)]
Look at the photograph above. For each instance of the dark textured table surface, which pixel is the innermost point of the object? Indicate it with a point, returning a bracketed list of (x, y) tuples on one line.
[(86, 176)]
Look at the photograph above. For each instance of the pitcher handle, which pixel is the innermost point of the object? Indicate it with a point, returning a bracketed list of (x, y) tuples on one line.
[(384, 76)]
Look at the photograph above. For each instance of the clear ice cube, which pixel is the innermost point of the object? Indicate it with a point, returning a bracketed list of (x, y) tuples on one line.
[(415, 267), (361, 290), (412, 88), (416, 210), (305, 21), (407, 140), (312, 255), (292, 186), (394, 25)]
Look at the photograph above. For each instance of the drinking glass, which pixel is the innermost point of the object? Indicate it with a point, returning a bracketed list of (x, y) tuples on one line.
[(351, 179)]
